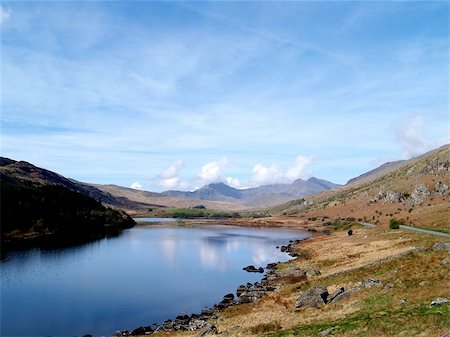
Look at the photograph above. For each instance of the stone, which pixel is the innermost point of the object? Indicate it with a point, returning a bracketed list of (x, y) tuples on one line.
[(424, 283), (441, 246), (372, 282), (419, 193), (441, 189), (326, 332), (253, 269), (314, 297), (228, 297), (207, 330), (334, 294), (312, 272), (446, 260), (403, 301), (439, 301), (388, 286)]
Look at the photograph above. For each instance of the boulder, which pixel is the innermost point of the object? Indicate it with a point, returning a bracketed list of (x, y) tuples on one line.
[(446, 260), (208, 329), (334, 294), (441, 246), (344, 295), (314, 297), (253, 269), (439, 301), (371, 282)]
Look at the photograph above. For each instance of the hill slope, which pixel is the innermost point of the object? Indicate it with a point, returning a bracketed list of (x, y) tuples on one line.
[(38, 203), (415, 190)]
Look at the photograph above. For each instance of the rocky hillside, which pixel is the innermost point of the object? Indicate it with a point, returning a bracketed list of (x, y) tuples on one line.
[(416, 191)]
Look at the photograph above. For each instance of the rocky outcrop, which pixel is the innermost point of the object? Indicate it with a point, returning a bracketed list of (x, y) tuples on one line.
[(314, 297), (391, 196), (441, 246), (441, 189), (419, 193)]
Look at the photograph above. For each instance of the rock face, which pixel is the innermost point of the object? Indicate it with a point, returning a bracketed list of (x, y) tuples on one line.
[(419, 193), (312, 298), (391, 196)]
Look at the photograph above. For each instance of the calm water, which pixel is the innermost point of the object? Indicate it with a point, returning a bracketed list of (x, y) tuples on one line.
[(143, 276)]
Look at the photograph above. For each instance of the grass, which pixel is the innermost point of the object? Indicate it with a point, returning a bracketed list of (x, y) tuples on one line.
[(383, 322), (194, 213)]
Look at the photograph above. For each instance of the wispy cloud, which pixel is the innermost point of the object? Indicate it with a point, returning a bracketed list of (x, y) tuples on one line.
[(5, 14), (411, 137)]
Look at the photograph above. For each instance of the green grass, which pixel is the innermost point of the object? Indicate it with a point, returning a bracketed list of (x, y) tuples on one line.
[(194, 213), (407, 320)]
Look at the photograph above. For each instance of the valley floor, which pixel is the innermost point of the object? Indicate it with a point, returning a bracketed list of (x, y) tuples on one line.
[(410, 272)]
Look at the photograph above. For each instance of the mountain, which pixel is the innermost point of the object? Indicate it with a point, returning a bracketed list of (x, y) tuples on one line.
[(256, 196), (415, 190), (377, 172), (38, 204)]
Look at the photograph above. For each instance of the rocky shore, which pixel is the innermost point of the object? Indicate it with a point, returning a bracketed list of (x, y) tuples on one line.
[(245, 293)]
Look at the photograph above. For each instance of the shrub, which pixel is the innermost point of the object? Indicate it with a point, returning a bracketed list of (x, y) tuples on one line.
[(395, 224)]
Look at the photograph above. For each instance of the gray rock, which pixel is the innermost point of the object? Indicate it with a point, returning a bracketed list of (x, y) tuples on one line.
[(372, 282), (341, 296), (403, 301), (388, 286), (441, 189), (419, 193), (334, 294), (207, 330), (313, 272), (424, 283), (326, 332), (314, 297), (253, 269), (438, 301), (446, 260), (441, 246)]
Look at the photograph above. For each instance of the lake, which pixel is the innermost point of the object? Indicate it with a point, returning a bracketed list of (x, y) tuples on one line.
[(143, 276)]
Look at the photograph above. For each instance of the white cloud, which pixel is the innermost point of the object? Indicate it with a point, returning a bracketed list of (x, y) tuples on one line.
[(263, 175), (233, 182), (169, 177), (266, 174), (136, 186), (212, 171), (4, 14), (411, 137), (172, 170), (297, 170), (170, 183)]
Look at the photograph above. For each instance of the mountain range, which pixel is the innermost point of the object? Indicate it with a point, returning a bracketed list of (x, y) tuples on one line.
[(265, 194)]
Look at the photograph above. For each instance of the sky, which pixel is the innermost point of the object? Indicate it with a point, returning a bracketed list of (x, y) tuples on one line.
[(175, 95)]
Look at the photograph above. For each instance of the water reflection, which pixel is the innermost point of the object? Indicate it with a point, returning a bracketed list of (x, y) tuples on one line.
[(143, 276)]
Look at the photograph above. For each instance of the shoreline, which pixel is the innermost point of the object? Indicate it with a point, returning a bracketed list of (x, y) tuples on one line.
[(245, 293), (371, 265)]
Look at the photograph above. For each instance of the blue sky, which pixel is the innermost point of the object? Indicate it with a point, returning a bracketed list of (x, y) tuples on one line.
[(164, 95)]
